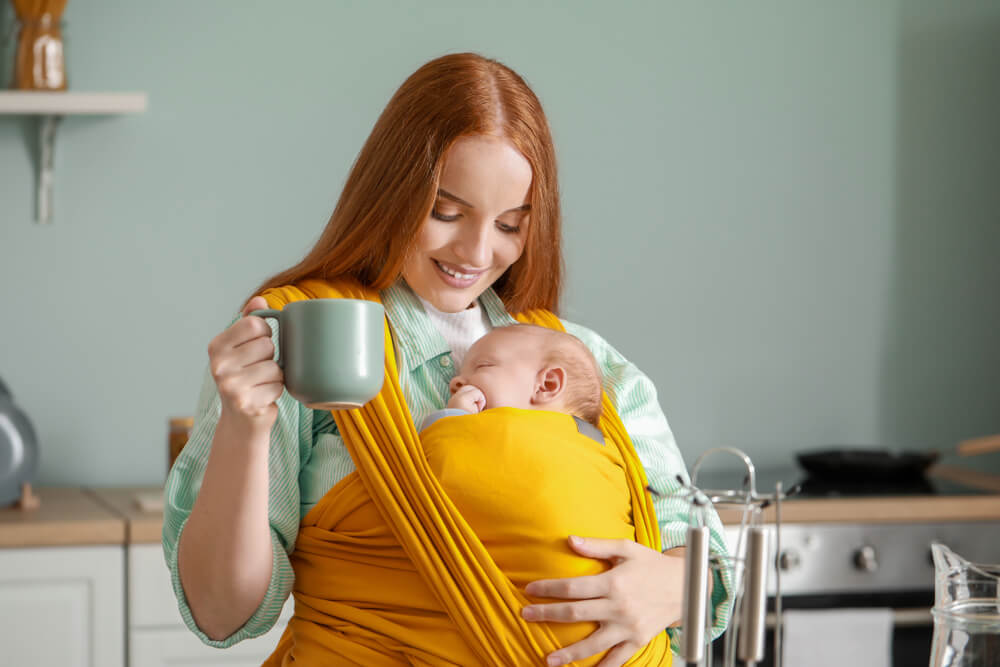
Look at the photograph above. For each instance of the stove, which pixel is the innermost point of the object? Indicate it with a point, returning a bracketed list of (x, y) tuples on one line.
[(860, 562)]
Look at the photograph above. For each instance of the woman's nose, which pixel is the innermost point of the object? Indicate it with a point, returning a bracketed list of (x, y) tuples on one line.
[(474, 245), (456, 383)]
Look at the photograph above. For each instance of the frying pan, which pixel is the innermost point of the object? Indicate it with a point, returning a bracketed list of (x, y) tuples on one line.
[(852, 463)]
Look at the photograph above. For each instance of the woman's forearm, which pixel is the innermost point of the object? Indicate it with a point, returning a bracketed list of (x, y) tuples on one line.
[(224, 556)]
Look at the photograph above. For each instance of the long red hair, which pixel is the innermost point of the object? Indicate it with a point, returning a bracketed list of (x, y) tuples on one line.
[(393, 182)]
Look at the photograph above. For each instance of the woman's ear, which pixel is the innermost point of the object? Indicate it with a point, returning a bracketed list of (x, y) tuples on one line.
[(549, 385)]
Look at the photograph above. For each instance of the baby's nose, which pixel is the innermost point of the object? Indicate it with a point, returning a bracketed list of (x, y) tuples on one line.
[(456, 383)]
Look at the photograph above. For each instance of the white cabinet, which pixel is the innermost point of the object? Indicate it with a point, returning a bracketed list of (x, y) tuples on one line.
[(62, 606), (157, 635), (160, 647)]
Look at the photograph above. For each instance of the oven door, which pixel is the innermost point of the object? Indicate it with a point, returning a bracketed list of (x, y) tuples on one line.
[(912, 630)]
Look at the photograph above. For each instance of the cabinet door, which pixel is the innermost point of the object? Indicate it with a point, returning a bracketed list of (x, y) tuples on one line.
[(160, 647), (62, 606), (157, 634), (151, 594)]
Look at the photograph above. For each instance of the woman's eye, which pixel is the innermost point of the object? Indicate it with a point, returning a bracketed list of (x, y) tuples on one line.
[(508, 229), (444, 218)]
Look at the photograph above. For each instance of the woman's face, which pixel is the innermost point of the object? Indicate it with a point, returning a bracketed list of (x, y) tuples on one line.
[(477, 226)]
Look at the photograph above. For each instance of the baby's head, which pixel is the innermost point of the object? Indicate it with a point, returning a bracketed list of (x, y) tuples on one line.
[(532, 367)]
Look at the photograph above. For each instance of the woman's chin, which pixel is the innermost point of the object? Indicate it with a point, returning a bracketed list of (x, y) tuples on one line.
[(453, 300)]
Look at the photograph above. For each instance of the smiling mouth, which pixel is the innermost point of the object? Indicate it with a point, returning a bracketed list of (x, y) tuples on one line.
[(457, 275)]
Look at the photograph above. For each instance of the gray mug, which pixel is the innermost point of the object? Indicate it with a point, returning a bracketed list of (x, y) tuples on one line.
[(332, 351)]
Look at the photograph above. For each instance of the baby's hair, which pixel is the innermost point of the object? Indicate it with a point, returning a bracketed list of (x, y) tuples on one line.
[(583, 376)]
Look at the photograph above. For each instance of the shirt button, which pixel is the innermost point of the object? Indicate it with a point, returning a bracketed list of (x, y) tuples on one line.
[(446, 362)]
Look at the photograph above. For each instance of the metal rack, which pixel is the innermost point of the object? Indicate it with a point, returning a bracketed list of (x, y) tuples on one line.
[(749, 565)]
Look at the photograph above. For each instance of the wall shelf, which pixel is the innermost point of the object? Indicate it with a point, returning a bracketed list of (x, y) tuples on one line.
[(50, 107)]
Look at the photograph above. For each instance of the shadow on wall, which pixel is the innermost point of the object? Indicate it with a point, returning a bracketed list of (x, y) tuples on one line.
[(8, 42), (28, 126), (941, 374)]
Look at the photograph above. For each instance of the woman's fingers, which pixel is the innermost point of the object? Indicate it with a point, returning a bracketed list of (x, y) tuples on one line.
[(619, 655), (241, 360), (256, 303), (262, 372), (608, 549), (571, 588), (242, 331), (258, 400), (601, 640), (569, 612), (251, 352)]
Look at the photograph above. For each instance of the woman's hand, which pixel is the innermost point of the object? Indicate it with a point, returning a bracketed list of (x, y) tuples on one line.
[(241, 359), (632, 602)]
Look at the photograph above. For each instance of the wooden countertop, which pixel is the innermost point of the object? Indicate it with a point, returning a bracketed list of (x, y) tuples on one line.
[(67, 516), (142, 526), (889, 509)]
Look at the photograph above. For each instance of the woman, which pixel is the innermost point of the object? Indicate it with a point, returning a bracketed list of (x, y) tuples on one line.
[(451, 214)]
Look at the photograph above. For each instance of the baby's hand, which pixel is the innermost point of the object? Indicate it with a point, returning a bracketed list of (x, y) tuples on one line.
[(468, 398)]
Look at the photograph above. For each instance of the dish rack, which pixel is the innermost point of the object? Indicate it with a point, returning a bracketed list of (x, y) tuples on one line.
[(748, 564)]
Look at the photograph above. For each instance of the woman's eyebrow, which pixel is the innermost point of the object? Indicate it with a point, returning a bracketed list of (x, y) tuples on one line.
[(455, 198)]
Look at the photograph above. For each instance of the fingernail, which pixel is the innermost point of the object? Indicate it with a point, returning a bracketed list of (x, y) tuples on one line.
[(574, 540), (529, 613), (554, 659)]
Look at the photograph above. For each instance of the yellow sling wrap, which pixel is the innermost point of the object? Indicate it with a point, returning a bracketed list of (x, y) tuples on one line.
[(388, 569)]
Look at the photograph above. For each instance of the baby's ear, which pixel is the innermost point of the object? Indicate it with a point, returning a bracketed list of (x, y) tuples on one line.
[(549, 385)]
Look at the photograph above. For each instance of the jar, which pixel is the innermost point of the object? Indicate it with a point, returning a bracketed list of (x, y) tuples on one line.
[(966, 611), (180, 431), (39, 63)]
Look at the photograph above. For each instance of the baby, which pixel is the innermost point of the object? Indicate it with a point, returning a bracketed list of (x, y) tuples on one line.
[(519, 453), (528, 367)]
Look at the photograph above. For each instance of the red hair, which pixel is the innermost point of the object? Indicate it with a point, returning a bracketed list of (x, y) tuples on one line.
[(393, 183)]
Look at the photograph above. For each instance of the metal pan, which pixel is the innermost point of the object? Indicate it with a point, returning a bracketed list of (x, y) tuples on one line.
[(859, 463), (851, 464)]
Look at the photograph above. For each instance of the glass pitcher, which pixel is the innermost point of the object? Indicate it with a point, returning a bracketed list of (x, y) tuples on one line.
[(966, 611)]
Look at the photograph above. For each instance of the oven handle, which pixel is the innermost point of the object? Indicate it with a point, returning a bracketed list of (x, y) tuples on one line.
[(906, 617)]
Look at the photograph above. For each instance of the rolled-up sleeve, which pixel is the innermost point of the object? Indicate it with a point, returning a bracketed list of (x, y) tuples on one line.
[(291, 440), (634, 396)]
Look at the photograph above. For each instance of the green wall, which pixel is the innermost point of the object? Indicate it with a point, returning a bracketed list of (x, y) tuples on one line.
[(785, 212)]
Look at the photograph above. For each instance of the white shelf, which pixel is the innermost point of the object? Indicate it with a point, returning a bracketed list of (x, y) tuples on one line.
[(50, 107), (62, 103)]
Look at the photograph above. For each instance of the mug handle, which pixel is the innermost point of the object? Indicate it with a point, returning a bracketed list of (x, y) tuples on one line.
[(276, 314)]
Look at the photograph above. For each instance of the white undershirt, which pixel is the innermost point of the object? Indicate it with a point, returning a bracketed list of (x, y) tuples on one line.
[(460, 330)]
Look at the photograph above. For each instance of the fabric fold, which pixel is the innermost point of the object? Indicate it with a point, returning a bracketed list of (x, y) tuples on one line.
[(389, 570)]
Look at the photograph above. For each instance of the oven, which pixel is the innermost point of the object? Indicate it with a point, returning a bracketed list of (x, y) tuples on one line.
[(864, 561)]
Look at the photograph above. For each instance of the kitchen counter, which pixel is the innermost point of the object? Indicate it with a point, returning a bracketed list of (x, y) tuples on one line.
[(67, 516), (949, 493), (141, 507), (888, 509)]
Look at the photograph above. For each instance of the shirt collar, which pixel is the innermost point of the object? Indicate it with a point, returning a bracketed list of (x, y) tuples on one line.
[(414, 333)]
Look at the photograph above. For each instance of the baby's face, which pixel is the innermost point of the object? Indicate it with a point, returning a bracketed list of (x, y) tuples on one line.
[(505, 365)]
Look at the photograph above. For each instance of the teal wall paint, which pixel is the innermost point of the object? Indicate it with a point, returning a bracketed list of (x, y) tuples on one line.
[(785, 212)]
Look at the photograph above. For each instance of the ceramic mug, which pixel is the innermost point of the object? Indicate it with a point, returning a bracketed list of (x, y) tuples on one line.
[(332, 351)]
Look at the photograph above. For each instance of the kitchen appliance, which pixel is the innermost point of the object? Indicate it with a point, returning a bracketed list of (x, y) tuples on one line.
[(18, 449), (863, 562)]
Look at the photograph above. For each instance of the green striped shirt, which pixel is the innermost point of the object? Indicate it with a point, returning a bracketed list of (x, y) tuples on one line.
[(307, 456)]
